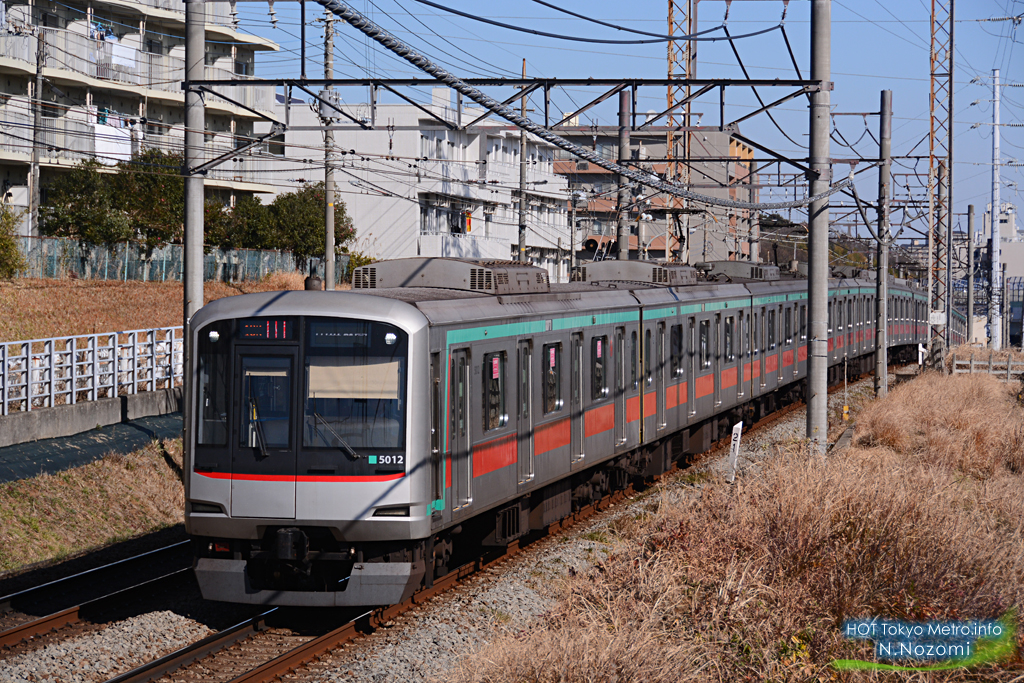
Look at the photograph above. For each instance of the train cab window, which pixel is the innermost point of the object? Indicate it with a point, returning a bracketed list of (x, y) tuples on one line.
[(803, 323), (599, 368), (634, 380), (355, 385), (648, 360), (770, 323), (729, 332), (212, 423), (552, 381), (266, 402), (705, 344), (494, 390), (676, 352), (787, 322)]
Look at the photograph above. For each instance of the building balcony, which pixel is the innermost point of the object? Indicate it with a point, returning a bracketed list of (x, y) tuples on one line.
[(74, 58)]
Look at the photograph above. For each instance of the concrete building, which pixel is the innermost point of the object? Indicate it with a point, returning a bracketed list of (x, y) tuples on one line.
[(414, 186), (1007, 224), (660, 226), (112, 72)]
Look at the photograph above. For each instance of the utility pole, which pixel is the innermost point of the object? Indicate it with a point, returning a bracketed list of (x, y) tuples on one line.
[(970, 273), (522, 176), (328, 155), (885, 240), (195, 124), (995, 317), (37, 134), (572, 232), (819, 178), (623, 198)]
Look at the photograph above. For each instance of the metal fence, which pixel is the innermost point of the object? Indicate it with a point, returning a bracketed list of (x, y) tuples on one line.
[(1002, 365), (43, 373), (60, 257)]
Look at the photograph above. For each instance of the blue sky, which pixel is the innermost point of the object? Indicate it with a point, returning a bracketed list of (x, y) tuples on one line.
[(876, 45)]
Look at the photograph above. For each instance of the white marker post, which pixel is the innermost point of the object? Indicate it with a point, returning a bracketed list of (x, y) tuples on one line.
[(734, 451)]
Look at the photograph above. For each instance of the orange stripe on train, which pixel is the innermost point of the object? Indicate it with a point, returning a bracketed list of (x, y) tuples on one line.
[(494, 455), (551, 436), (599, 420)]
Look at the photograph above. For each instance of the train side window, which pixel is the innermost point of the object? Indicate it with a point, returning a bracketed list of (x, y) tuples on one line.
[(705, 344), (729, 333), (648, 359), (634, 380), (214, 369), (787, 321), (599, 368), (552, 377), (494, 391), (770, 324), (677, 351)]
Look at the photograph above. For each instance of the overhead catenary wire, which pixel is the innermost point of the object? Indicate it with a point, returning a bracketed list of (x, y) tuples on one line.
[(362, 23)]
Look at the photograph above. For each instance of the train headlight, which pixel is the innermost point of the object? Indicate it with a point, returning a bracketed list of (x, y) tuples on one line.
[(390, 338)]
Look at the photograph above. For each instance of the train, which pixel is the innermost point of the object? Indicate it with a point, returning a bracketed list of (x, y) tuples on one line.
[(345, 448)]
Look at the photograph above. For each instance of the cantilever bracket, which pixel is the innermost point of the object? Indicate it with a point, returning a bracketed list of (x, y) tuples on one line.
[(333, 106), (203, 89), (276, 129)]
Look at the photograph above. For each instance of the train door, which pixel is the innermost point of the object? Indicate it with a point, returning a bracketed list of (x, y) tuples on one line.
[(576, 398), (525, 412), (693, 366), (462, 461), (263, 453), (659, 378), (436, 418), (620, 386)]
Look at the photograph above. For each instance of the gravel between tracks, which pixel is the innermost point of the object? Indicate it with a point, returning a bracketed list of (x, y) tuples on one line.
[(100, 656)]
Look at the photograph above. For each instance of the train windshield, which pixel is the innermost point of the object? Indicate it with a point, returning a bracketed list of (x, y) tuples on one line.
[(354, 385)]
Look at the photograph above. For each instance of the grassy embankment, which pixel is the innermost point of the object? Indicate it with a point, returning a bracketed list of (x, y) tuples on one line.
[(921, 518), (35, 309)]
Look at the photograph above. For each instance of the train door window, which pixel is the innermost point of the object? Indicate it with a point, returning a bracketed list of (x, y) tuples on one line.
[(755, 342), (830, 318), (839, 317), (460, 403), (676, 353), (494, 391), (705, 344), (598, 368), (803, 322), (745, 333), (728, 333), (770, 325), (435, 423), (849, 314), (525, 365), (266, 402), (552, 364), (634, 380), (648, 359), (214, 341), (787, 322)]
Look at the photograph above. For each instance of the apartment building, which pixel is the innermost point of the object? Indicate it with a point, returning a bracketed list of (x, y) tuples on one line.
[(112, 73), (419, 184), (662, 226)]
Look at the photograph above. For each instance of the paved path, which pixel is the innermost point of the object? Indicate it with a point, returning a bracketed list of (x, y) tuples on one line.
[(53, 455)]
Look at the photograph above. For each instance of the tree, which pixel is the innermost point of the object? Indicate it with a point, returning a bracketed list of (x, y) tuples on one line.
[(150, 192), (82, 206), (299, 217), (11, 259), (250, 225)]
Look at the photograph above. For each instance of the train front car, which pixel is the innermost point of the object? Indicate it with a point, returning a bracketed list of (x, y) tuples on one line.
[(306, 456)]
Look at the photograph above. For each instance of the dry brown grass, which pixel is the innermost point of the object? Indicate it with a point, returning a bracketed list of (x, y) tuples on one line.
[(34, 309), (922, 520), (52, 516)]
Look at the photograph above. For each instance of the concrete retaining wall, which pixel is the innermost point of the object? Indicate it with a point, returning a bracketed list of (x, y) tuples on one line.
[(48, 423)]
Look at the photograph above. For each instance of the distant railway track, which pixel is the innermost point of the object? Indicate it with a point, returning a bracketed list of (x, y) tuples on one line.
[(64, 607)]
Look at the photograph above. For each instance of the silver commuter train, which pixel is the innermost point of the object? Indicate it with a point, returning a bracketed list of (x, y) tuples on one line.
[(344, 448)]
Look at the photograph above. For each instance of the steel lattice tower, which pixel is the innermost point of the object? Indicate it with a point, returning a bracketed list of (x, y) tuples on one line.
[(682, 61), (940, 150)]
